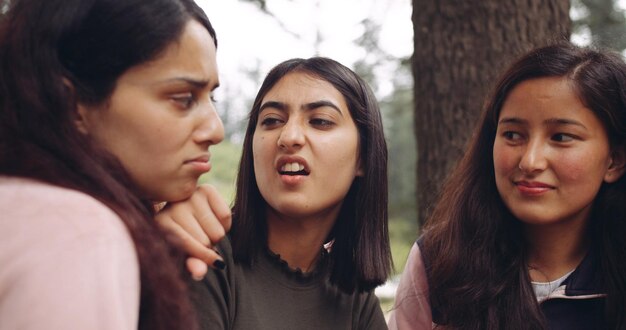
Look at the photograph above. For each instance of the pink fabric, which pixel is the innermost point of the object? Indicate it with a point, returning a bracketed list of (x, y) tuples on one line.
[(66, 261), (412, 307)]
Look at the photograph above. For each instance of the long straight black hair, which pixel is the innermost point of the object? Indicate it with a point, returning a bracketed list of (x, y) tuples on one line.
[(477, 270), (44, 44), (360, 256)]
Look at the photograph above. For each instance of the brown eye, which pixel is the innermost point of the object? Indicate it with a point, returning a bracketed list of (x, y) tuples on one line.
[(270, 122), (184, 101), (321, 122), (510, 135), (562, 137)]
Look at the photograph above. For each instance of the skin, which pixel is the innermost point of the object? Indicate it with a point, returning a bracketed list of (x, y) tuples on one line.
[(551, 155), (160, 119), (160, 122), (304, 120)]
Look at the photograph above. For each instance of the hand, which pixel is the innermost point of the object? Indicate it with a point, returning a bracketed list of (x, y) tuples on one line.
[(196, 225)]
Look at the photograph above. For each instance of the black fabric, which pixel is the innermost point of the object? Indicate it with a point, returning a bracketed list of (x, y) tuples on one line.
[(564, 313)]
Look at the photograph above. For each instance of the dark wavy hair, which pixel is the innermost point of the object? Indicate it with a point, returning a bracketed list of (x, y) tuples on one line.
[(46, 44), (476, 255), (360, 257)]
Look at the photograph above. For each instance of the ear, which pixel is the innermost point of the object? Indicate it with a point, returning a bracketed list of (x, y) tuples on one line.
[(80, 119), (359, 169), (81, 110), (617, 165)]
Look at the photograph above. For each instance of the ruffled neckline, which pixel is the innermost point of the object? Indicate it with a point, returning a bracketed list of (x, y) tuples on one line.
[(297, 273)]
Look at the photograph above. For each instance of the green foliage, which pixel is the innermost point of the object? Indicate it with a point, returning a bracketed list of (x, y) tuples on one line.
[(398, 118), (225, 160), (603, 19), (402, 234)]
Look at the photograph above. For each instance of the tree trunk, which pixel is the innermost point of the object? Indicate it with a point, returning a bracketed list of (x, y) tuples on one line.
[(460, 49)]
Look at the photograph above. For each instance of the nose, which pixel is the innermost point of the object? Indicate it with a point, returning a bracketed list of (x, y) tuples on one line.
[(291, 135), (209, 129), (534, 157)]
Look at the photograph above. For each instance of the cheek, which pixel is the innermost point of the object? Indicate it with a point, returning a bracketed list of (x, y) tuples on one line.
[(504, 159), (577, 168), (259, 153)]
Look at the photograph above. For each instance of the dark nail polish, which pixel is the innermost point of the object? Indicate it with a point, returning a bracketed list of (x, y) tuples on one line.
[(219, 264)]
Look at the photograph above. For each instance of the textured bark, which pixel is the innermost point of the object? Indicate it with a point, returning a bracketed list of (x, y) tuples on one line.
[(460, 49)]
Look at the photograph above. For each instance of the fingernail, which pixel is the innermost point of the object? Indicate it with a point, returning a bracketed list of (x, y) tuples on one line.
[(219, 264)]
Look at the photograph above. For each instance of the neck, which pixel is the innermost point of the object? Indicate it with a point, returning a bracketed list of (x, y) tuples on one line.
[(555, 250), (299, 240)]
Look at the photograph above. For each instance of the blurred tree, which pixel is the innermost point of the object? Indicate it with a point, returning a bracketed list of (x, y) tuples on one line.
[(603, 20), (459, 49)]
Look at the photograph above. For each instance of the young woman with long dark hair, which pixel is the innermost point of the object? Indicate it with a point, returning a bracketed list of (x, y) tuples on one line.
[(309, 240), (105, 109), (528, 232)]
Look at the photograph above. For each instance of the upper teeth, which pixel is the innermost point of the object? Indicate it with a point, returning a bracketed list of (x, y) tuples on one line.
[(292, 167)]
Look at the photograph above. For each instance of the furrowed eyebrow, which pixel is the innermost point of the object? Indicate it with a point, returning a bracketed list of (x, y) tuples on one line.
[(196, 83), (308, 106), (322, 103), (273, 104)]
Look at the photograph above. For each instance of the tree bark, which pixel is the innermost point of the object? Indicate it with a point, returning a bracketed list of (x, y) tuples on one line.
[(460, 49)]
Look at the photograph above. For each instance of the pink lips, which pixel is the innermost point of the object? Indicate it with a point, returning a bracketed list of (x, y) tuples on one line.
[(532, 188), (200, 164)]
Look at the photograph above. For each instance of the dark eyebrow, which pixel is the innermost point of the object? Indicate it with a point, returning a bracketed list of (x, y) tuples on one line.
[(320, 104), (551, 121), (308, 106), (273, 104), (197, 83), (563, 121), (511, 120)]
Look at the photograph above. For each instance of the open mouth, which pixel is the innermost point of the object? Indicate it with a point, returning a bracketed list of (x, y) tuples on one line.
[(293, 168)]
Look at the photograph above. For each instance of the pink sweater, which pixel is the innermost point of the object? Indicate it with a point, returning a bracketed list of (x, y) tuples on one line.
[(412, 305), (66, 261)]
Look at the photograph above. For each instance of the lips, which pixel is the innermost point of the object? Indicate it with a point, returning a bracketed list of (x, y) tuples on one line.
[(201, 159), (200, 164), (533, 187)]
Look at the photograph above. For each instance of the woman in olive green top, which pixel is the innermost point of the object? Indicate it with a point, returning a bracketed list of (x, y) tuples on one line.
[(309, 240)]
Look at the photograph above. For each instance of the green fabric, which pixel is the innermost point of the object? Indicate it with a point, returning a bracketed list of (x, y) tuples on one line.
[(269, 295)]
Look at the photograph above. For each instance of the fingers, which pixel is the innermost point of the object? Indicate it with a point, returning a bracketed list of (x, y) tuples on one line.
[(211, 213), (218, 205), (198, 252), (178, 218), (196, 225)]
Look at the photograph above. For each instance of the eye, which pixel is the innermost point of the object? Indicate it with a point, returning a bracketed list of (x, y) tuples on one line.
[(562, 137), (512, 136), (322, 123), (184, 101), (269, 122)]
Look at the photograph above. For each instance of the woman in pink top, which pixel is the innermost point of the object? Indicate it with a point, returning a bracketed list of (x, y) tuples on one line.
[(105, 108)]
